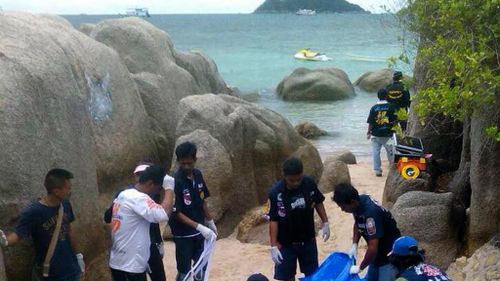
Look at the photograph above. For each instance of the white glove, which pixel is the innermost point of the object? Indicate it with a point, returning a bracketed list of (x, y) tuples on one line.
[(276, 255), (212, 226), (3, 239), (354, 269), (326, 231), (353, 253), (206, 232), (81, 263), (168, 183), (160, 249)]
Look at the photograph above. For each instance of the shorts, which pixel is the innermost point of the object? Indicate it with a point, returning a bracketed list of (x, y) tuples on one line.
[(307, 255), (187, 252)]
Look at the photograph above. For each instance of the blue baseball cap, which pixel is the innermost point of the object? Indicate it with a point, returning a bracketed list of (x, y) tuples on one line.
[(404, 246)]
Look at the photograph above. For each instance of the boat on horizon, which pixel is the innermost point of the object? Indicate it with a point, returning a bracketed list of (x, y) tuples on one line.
[(306, 12), (308, 54), (137, 12)]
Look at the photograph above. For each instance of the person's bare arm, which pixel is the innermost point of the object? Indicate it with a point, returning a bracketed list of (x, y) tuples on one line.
[(320, 208), (273, 233), (371, 253), (73, 237), (206, 212), (186, 220)]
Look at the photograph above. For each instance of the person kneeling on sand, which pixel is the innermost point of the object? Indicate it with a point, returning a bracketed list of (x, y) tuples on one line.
[(133, 212), (376, 225), (409, 260)]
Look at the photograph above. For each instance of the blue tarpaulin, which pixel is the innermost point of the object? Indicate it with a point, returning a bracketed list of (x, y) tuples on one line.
[(334, 268)]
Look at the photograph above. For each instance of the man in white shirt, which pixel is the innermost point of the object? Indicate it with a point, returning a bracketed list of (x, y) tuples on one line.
[(133, 212)]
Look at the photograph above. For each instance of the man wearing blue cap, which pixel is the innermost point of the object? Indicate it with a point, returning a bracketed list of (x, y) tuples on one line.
[(409, 260)]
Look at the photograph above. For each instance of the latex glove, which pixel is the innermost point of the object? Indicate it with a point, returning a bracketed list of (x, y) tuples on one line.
[(276, 255), (3, 239), (353, 253), (205, 231), (168, 183), (326, 231), (212, 226), (160, 249), (354, 269), (81, 263)]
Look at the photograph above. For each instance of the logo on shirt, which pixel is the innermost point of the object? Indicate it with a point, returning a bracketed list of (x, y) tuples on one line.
[(187, 197), (281, 209), (115, 218), (299, 203), (371, 229), (382, 118)]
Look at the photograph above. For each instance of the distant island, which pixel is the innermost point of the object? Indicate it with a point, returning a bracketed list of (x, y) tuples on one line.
[(320, 6)]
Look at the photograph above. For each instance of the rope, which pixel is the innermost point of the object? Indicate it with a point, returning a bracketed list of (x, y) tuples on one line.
[(203, 261)]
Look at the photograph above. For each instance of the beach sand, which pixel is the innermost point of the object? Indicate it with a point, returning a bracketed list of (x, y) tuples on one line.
[(234, 260)]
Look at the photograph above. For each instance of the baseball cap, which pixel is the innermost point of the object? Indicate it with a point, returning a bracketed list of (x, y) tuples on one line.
[(140, 168), (257, 277), (397, 75), (404, 246)]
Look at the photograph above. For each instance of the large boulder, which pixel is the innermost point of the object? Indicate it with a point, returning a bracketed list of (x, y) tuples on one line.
[(244, 142), (309, 131), (316, 84), (396, 185), (346, 156), (334, 173), (372, 81), (429, 218)]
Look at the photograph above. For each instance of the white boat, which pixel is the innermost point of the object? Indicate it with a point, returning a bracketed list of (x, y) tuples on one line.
[(138, 12), (307, 54), (306, 12)]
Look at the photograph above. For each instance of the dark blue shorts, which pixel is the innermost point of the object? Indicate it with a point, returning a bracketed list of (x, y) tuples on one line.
[(307, 255)]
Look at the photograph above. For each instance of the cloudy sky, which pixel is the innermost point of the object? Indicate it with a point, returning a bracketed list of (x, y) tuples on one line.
[(157, 6)]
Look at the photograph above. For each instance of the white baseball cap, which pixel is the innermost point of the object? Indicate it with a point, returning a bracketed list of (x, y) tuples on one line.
[(140, 168)]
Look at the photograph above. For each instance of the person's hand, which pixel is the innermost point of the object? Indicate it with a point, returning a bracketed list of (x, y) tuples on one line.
[(168, 183), (212, 226), (326, 231), (354, 269), (206, 232), (160, 249), (276, 255), (353, 253), (3, 239), (81, 262)]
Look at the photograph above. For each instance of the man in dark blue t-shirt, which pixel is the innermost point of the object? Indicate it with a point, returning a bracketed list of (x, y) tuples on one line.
[(190, 211), (39, 221), (376, 225), (380, 122), (292, 203)]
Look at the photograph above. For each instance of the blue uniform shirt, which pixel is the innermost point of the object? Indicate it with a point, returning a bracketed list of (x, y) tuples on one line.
[(423, 272), (381, 118), (293, 209), (189, 197), (38, 222), (375, 222)]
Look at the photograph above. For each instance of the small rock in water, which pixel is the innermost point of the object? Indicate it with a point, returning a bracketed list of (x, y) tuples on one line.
[(309, 130)]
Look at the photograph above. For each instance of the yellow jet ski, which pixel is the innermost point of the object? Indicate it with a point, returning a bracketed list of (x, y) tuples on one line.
[(308, 54)]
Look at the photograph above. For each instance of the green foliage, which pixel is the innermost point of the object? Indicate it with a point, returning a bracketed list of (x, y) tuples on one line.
[(458, 49), (292, 6), (493, 132)]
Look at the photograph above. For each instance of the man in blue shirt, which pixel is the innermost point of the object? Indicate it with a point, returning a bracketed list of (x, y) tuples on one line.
[(190, 211), (376, 225), (409, 260), (380, 122), (292, 203), (39, 220)]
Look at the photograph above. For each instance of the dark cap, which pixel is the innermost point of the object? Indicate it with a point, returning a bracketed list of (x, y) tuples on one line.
[(257, 277), (398, 75)]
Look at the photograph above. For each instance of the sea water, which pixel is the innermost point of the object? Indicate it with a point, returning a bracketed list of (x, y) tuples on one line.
[(254, 52)]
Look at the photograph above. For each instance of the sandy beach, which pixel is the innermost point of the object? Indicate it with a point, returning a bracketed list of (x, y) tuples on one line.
[(234, 260)]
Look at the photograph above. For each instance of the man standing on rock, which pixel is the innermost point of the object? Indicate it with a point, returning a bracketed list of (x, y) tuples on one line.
[(191, 212), (133, 212), (398, 95), (293, 200), (57, 258), (380, 122), (378, 228)]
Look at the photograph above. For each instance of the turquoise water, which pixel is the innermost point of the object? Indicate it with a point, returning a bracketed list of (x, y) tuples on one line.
[(255, 52)]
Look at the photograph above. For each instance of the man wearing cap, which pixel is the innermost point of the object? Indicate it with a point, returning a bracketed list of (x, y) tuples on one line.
[(292, 201), (376, 225), (133, 212), (398, 95), (409, 260), (156, 269)]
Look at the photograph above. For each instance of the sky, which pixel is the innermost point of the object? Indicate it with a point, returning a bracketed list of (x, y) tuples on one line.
[(158, 6)]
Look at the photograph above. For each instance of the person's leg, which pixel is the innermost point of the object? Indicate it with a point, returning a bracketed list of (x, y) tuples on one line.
[(387, 272), (118, 275), (288, 267), (183, 255), (156, 264), (136, 276), (308, 258), (388, 147), (372, 274), (198, 246), (376, 146)]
